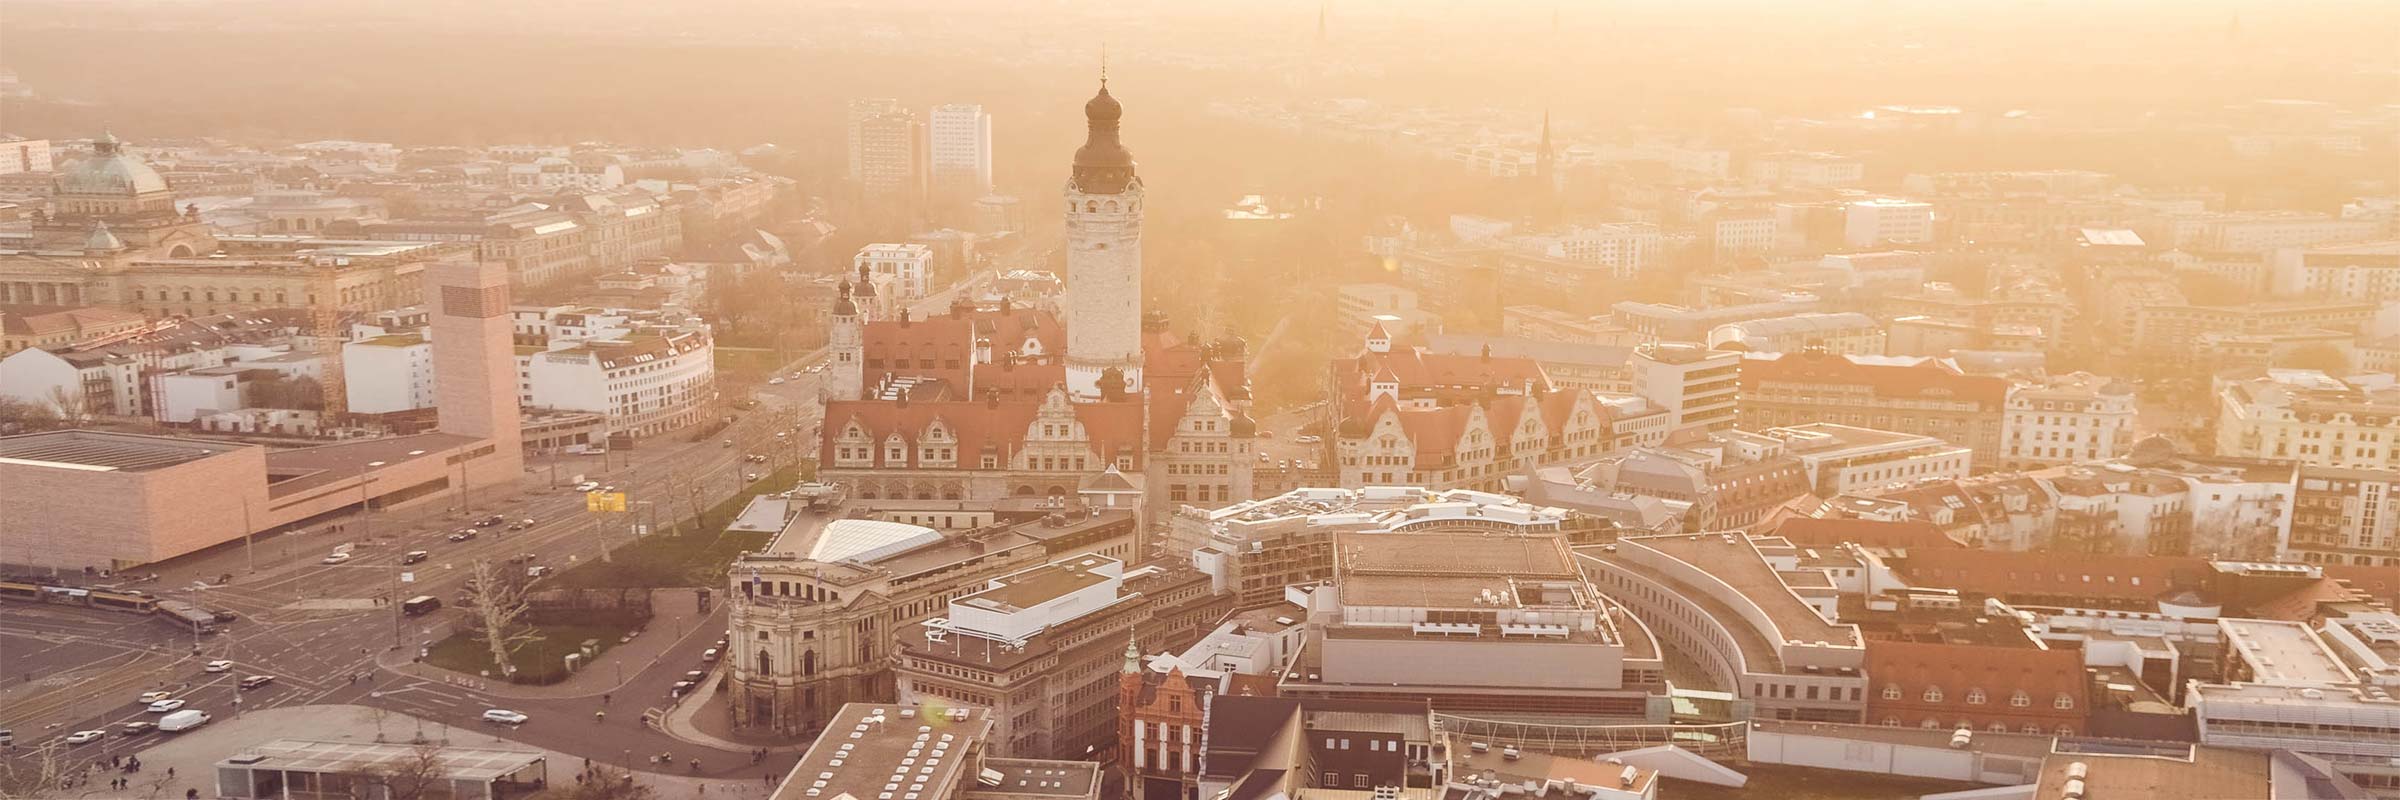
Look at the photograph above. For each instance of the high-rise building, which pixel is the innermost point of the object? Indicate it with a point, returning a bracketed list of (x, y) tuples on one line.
[(886, 152), (959, 152), (474, 360), (1104, 258)]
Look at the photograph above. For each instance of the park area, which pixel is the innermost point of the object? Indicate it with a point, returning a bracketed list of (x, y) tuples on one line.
[(540, 661)]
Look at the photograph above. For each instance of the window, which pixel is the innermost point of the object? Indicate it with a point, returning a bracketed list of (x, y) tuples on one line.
[(1891, 691), (2063, 703), (1930, 723), (1933, 694), (2019, 699), (1975, 697)]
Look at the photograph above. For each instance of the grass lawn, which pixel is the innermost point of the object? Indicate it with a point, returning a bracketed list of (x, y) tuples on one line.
[(687, 554), (539, 661), (759, 362)]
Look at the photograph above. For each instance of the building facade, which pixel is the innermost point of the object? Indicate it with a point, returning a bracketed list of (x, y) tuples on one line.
[(1104, 259)]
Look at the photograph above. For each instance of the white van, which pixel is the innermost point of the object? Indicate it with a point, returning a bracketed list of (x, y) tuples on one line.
[(184, 720)]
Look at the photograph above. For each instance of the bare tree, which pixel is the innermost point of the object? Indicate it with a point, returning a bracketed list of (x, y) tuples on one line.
[(416, 777), (498, 599), (73, 406), (18, 416), (34, 776)]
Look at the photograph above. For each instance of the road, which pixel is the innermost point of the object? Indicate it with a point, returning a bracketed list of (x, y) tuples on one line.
[(320, 630)]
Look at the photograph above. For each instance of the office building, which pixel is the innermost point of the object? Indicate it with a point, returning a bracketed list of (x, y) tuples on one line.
[(959, 152)]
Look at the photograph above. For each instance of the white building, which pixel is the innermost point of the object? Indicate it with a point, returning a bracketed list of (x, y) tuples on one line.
[(1840, 459), (2311, 418), (1847, 333), (1884, 220), (2065, 419), (1807, 169), (1104, 257), (904, 268), (1626, 248), (1741, 234), (959, 151), (651, 381), (388, 373), (2358, 272), (554, 174), (24, 155), (1696, 386), (2264, 231)]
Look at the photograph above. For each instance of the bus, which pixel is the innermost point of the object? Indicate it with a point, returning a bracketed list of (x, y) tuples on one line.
[(421, 605), (21, 590), (134, 602), (186, 615)]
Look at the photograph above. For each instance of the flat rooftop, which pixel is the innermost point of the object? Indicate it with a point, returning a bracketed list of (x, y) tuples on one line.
[(1457, 570), (305, 468), (1033, 587), (482, 764), (98, 451), (1041, 777), (2284, 653), (1735, 560), (871, 750), (2158, 770)]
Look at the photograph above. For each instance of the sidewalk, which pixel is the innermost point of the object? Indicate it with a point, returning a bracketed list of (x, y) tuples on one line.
[(674, 610), (700, 719), (193, 756)]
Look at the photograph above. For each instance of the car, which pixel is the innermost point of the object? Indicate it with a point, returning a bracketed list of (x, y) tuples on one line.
[(728, 444), (537, 571), (527, 522), (164, 706), (609, 488), (414, 557), (336, 558), (711, 654), (516, 526), (219, 665), (223, 616), (775, 381), (629, 636), (85, 737), (504, 716), (136, 728), (490, 521), (464, 535), (587, 486), (749, 476), (153, 697), (695, 675), (1308, 440), (680, 688), (1266, 434), (783, 434), (814, 368), (256, 681), (721, 644)]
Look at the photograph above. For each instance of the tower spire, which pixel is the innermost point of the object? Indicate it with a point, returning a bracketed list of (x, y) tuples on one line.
[(1104, 65)]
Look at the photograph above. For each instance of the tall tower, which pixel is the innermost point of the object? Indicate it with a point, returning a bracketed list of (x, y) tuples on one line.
[(1104, 256), (475, 364), (846, 378)]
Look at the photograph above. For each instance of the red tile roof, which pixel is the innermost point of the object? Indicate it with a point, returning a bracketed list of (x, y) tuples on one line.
[(1926, 379), (981, 427), (1957, 669), (1811, 532), (2035, 574)]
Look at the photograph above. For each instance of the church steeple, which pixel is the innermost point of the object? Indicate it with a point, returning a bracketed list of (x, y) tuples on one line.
[(1102, 164), (1133, 655)]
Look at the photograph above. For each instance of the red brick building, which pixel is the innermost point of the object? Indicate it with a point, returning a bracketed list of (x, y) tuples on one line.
[(1961, 673)]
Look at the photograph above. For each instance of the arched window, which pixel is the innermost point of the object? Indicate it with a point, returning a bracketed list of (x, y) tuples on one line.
[(2020, 699), (2031, 729), (1891, 722), (1975, 696), (1930, 723), (2064, 702), (1112, 206), (1891, 691), (1997, 727), (1933, 694), (766, 663), (1091, 206)]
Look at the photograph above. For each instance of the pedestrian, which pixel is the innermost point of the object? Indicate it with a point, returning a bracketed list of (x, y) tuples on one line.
[(769, 778), (703, 789), (170, 772)]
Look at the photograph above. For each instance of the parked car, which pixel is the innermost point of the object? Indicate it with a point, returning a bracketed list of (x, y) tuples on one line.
[(414, 557), (711, 654), (219, 665), (537, 571), (84, 737), (775, 381), (136, 728), (153, 697), (165, 706), (680, 688), (587, 486), (695, 675), (336, 558), (749, 476), (256, 681), (223, 616), (504, 716), (490, 521)]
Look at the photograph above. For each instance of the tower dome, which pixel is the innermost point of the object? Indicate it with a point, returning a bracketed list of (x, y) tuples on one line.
[(1102, 164), (110, 171)]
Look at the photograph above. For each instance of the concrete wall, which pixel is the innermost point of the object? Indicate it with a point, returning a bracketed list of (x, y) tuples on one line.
[(1833, 750), (70, 519)]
